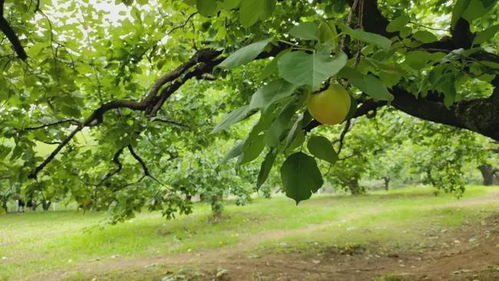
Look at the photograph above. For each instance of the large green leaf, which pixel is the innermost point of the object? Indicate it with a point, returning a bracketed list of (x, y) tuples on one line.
[(398, 23), (232, 118), (417, 59), (367, 83), (475, 9), (250, 11), (207, 8), (327, 33), (245, 54), (266, 167), (271, 93), (458, 10), (301, 68), (306, 31), (425, 36), (252, 148), (234, 152), (280, 125), (368, 37), (230, 4), (322, 148), (300, 176)]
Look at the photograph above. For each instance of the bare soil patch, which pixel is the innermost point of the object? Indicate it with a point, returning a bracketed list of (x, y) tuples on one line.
[(467, 253)]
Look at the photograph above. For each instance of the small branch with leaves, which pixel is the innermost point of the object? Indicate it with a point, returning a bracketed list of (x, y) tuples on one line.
[(10, 34)]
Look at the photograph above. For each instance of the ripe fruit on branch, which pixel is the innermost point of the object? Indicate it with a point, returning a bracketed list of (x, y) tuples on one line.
[(330, 106)]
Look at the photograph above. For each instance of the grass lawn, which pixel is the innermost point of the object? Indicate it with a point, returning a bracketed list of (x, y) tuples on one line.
[(31, 243)]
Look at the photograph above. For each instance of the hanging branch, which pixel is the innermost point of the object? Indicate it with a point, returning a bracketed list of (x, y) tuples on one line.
[(346, 129), (119, 166), (142, 163), (11, 35)]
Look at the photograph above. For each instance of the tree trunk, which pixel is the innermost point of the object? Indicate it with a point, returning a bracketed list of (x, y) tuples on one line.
[(46, 205), (354, 187), (217, 205), (5, 207), (487, 174), (387, 182)]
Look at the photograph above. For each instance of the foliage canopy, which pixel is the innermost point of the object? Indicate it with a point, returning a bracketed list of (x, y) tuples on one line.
[(100, 100)]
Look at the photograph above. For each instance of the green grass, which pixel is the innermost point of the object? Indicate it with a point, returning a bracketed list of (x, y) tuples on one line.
[(33, 242)]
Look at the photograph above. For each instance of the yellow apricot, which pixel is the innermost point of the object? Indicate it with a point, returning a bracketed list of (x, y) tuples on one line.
[(330, 106)]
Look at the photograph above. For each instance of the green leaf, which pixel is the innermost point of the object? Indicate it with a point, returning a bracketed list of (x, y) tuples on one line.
[(367, 83), (322, 148), (301, 68), (234, 152), (417, 59), (297, 127), (474, 10), (252, 148), (458, 10), (328, 33), (266, 167), (398, 23), (280, 125), (245, 54), (230, 4), (250, 11), (232, 118), (300, 176), (207, 8), (271, 93), (487, 34), (306, 31), (368, 37), (425, 36)]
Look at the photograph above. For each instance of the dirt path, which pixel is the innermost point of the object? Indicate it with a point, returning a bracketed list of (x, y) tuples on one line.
[(320, 266)]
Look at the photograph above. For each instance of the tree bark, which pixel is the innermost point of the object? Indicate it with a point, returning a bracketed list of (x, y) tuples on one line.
[(46, 205), (488, 173), (354, 187), (387, 182), (5, 207), (217, 205)]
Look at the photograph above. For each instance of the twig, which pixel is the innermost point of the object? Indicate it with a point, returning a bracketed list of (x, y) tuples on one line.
[(119, 166), (173, 122), (183, 24), (346, 129), (72, 121)]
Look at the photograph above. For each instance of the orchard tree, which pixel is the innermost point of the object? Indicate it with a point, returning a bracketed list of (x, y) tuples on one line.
[(115, 70)]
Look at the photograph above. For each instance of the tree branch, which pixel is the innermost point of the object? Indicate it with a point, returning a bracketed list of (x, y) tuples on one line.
[(478, 115), (72, 121), (172, 122), (201, 62), (142, 163), (119, 166), (346, 129), (10, 34)]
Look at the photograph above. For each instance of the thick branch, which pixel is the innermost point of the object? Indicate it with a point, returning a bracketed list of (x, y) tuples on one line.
[(203, 62), (478, 115), (11, 35)]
